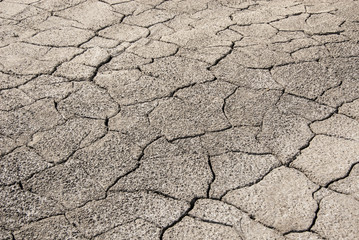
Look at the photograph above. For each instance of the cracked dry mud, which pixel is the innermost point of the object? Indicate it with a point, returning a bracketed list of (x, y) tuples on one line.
[(179, 119)]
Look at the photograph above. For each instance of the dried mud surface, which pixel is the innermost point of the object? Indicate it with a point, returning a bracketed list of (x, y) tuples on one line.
[(179, 119)]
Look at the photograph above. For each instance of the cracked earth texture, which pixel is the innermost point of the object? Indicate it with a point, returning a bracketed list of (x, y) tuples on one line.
[(179, 119)]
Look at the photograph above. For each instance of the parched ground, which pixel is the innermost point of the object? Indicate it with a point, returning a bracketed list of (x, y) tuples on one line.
[(192, 119)]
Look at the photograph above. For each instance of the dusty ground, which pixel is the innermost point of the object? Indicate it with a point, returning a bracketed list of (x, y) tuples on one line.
[(152, 119)]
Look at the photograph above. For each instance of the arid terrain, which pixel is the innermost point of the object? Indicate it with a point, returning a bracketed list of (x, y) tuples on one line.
[(179, 119)]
